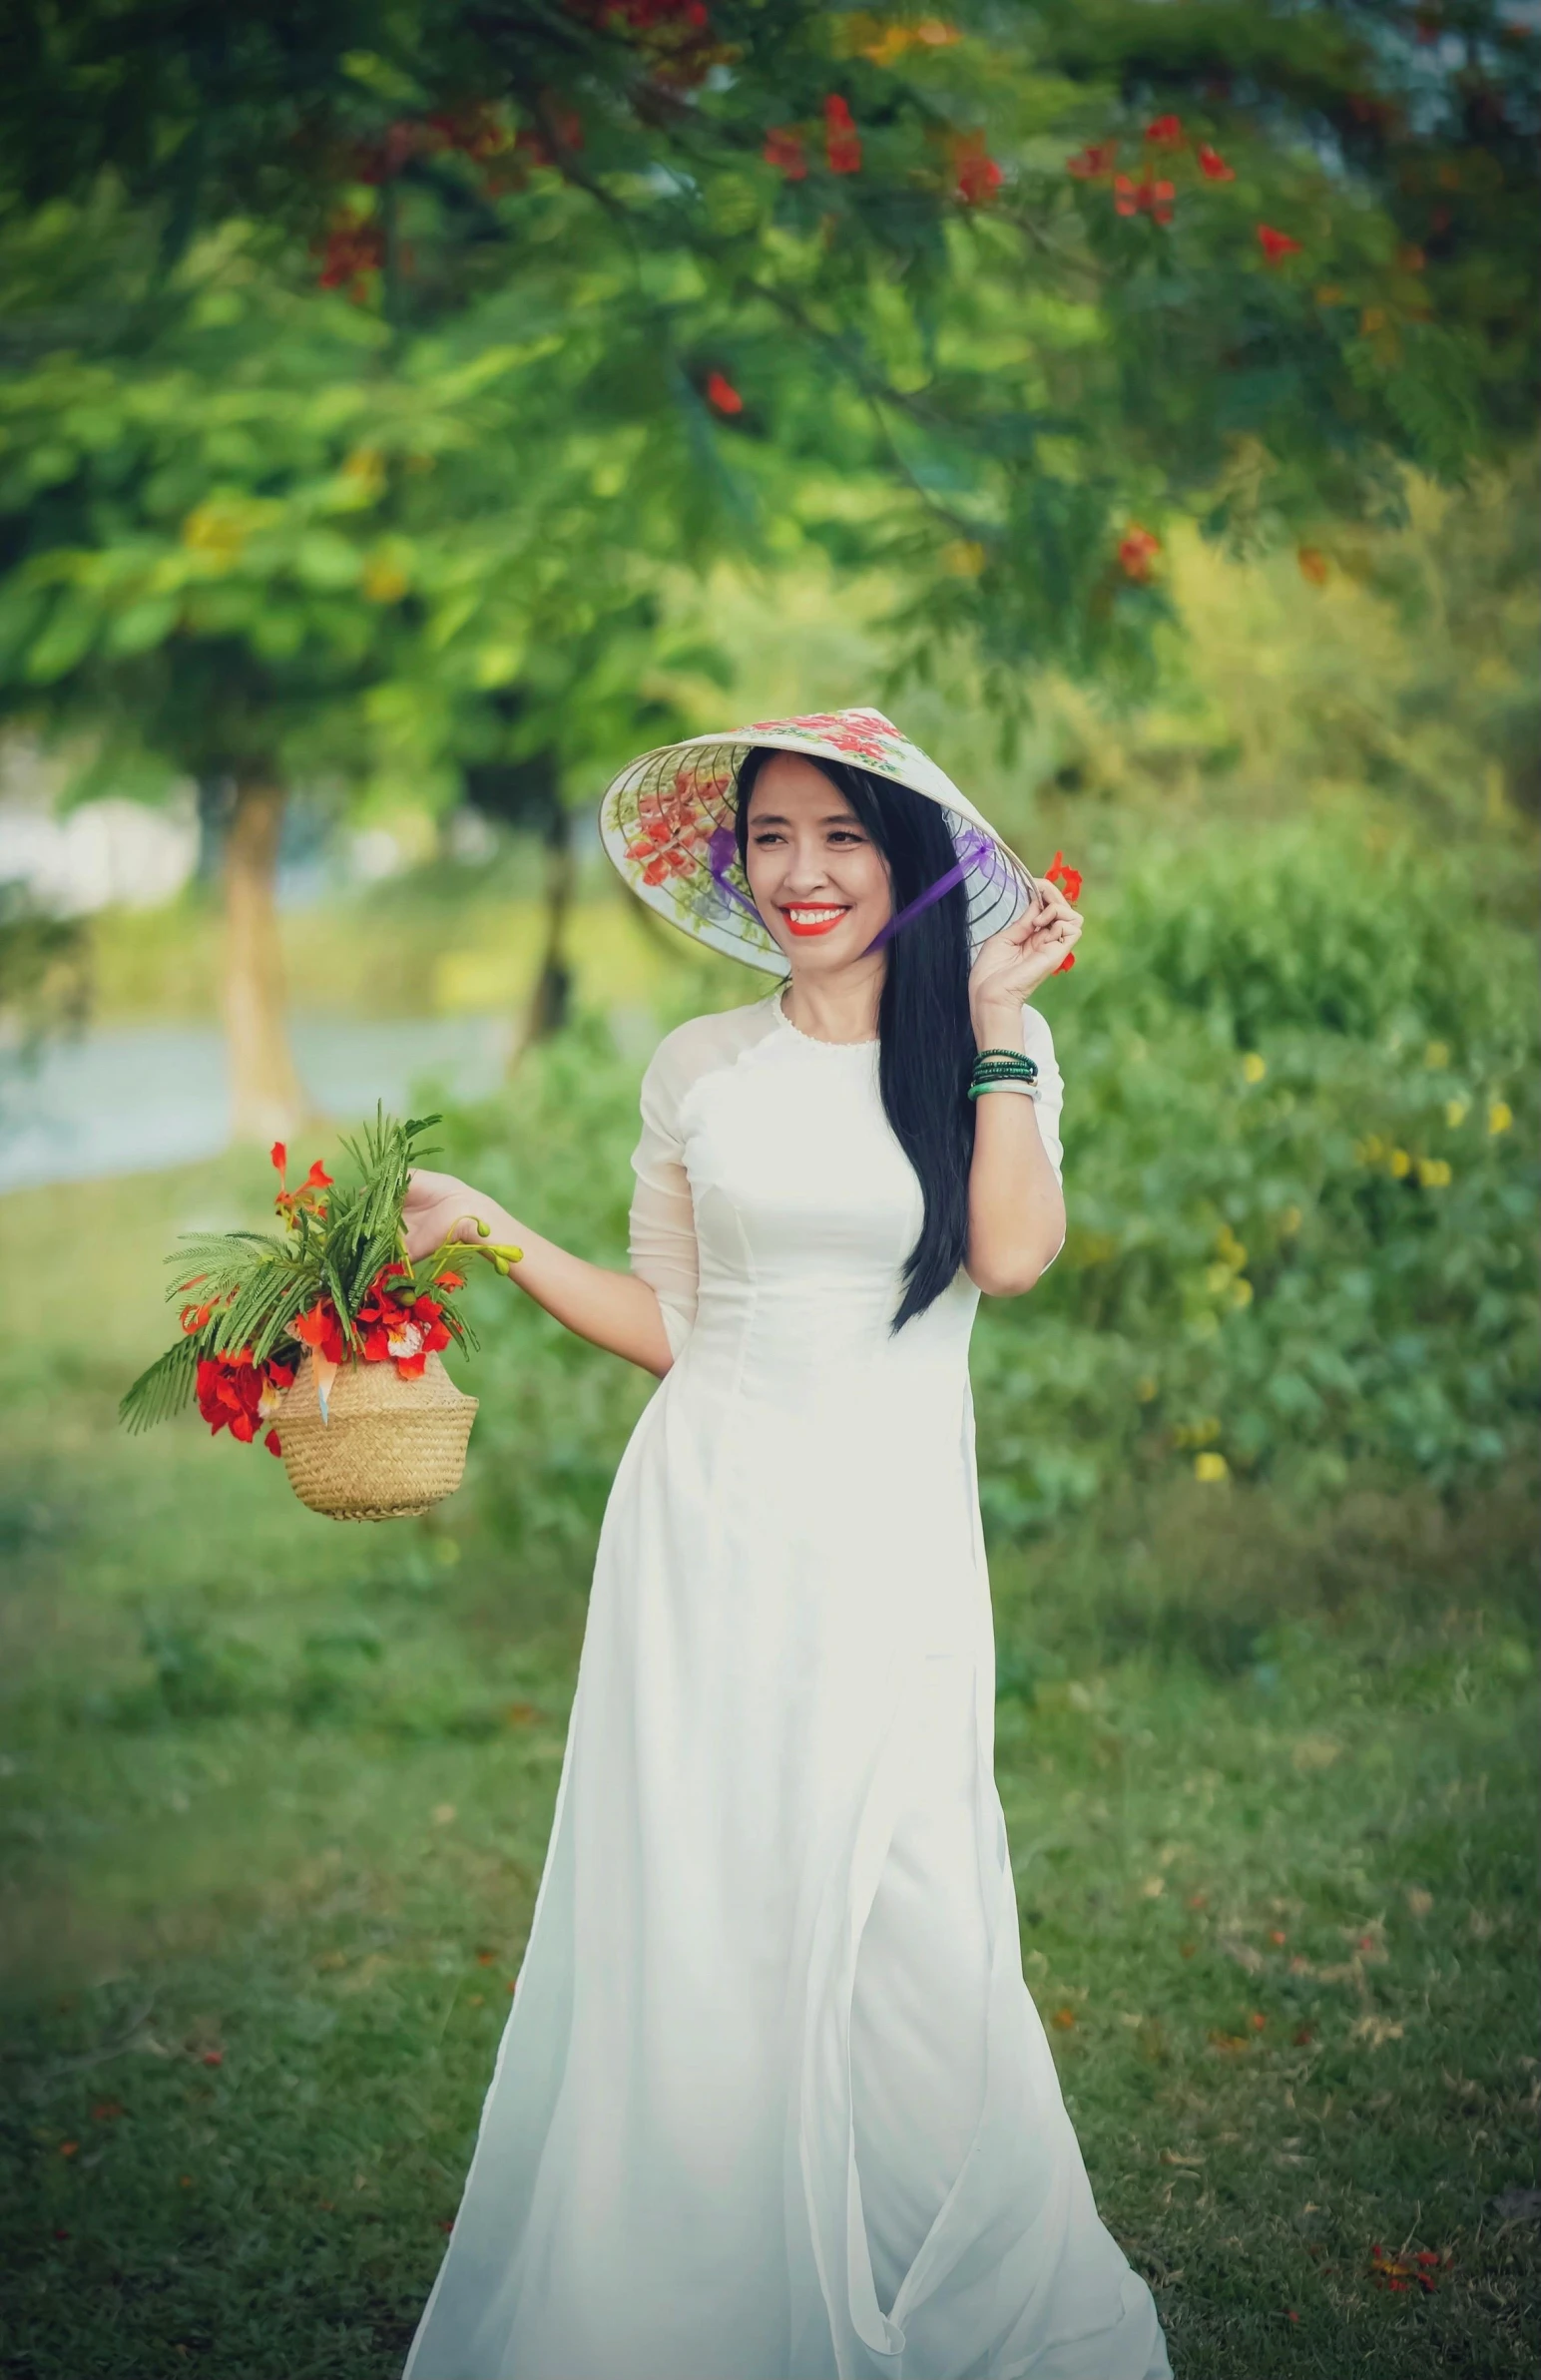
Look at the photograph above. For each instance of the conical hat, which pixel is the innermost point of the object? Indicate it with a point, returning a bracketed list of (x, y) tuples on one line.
[(668, 817)]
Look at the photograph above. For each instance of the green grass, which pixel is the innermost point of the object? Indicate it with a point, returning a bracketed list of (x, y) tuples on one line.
[(275, 1795)]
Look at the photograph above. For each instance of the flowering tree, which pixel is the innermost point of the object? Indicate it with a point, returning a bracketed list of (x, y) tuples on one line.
[(445, 331)]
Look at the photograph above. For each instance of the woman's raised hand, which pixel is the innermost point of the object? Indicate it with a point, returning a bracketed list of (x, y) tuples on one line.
[(439, 1207), (1012, 964)]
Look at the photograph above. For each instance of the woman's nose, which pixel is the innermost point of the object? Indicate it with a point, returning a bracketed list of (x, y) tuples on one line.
[(806, 872)]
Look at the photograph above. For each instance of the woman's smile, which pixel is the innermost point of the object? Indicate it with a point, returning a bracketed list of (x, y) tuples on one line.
[(812, 917)]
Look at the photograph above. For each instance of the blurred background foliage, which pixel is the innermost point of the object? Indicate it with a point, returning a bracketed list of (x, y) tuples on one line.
[(407, 414)]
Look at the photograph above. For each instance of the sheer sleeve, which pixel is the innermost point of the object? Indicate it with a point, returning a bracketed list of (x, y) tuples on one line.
[(662, 1216), (1038, 1042)]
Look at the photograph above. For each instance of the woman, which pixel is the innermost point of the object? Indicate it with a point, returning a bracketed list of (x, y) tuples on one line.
[(774, 2102)]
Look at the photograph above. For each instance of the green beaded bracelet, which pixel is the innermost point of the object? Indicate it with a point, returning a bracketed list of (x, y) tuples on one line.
[(1018, 1057), (993, 1067)]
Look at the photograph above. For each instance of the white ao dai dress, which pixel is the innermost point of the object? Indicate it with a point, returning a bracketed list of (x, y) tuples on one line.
[(774, 2102)]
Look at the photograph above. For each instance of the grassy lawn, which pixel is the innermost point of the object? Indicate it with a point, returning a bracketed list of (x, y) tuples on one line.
[(275, 1795)]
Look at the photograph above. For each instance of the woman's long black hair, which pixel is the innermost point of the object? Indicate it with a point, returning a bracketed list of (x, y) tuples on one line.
[(925, 1033)]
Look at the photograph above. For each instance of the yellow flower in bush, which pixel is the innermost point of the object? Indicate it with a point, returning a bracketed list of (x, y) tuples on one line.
[(1499, 1116), (1455, 1113), (1437, 1053), (1210, 1467), (384, 581), (1434, 1172), (1400, 1164), (1254, 1067)]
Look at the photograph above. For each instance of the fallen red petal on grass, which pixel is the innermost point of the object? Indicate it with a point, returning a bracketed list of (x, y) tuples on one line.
[(69, 2148), (1065, 2019), (213, 2057)]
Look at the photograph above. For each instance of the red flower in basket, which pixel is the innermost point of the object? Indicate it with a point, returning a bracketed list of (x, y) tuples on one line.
[(405, 1333), (320, 1330), (238, 1395)]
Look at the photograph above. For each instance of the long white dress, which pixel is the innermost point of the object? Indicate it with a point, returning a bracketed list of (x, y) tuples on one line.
[(774, 2102)]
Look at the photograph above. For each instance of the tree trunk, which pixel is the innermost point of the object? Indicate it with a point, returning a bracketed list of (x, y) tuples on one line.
[(551, 999), (268, 1102)]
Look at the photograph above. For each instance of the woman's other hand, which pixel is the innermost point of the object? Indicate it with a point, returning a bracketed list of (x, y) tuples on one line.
[(438, 1208), (1012, 964)]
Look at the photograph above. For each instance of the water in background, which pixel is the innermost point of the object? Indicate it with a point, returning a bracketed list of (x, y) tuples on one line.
[(126, 1099)]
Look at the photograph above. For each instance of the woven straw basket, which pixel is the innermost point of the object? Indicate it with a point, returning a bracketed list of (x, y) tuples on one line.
[(391, 1447)]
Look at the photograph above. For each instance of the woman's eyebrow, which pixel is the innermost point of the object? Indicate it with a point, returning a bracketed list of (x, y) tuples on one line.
[(832, 818)]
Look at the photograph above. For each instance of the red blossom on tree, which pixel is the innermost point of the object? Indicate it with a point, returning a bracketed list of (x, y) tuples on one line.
[(1155, 198), (1093, 162), (842, 141), (976, 175), (722, 395), (1165, 133), (1138, 549), (353, 248), (1212, 166), (783, 148), (1276, 246)]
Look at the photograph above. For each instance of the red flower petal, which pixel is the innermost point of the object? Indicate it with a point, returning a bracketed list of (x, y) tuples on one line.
[(280, 1155), (842, 141), (1212, 166), (784, 150), (273, 1443), (723, 398), (1166, 132), (1276, 246)]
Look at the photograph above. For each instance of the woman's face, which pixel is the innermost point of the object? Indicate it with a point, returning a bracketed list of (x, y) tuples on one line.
[(818, 880)]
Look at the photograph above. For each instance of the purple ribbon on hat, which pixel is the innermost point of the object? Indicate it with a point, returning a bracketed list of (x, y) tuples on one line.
[(972, 847), (722, 850)]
